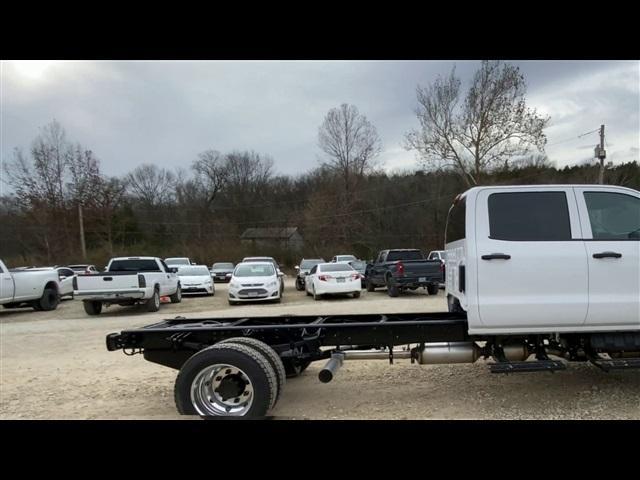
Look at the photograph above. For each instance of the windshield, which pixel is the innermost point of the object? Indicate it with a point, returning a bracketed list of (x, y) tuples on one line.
[(308, 264), (194, 271), (221, 266), (404, 255), (345, 258), (336, 267), (134, 266), (258, 270)]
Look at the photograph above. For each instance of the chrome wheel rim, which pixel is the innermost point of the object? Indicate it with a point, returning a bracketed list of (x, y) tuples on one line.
[(156, 299), (222, 390), (179, 294)]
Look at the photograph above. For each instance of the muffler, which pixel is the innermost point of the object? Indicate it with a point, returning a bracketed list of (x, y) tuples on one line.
[(464, 352)]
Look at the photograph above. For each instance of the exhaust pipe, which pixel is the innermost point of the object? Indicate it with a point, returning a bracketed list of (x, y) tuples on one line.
[(331, 367), (375, 355)]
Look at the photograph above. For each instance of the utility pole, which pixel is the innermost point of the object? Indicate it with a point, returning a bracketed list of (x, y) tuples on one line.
[(83, 248), (601, 154)]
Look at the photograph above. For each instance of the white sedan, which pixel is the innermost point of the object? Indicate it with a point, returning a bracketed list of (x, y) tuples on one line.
[(254, 281), (66, 276), (196, 279), (332, 278)]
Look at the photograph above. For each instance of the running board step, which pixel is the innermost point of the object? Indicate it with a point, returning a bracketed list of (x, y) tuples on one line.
[(537, 366), (616, 363)]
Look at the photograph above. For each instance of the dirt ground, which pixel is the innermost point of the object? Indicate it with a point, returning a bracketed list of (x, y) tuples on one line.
[(54, 365)]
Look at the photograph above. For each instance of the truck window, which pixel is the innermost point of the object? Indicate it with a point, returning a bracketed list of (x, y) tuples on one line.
[(613, 216), (455, 226), (134, 266), (529, 216), (396, 255)]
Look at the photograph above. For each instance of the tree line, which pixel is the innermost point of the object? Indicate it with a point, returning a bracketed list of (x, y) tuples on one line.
[(348, 204)]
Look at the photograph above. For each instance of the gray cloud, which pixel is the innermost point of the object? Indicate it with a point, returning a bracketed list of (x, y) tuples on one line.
[(166, 112)]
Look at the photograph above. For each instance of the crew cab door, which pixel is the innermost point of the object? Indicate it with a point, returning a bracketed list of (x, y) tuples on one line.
[(611, 227), (6, 284), (531, 262)]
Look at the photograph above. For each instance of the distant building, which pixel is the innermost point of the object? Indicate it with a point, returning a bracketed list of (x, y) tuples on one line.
[(288, 238)]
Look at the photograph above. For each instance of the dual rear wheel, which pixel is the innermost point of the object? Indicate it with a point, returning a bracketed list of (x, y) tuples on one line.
[(238, 377)]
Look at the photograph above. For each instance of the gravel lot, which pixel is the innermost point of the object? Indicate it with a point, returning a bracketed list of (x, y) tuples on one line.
[(54, 365)]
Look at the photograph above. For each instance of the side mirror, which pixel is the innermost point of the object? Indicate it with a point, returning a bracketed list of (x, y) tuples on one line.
[(173, 269)]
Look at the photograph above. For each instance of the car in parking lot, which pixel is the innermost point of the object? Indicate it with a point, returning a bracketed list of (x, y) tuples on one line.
[(252, 281), (177, 261), (333, 278), (196, 279), (360, 266), (274, 263), (306, 264), (66, 276), (343, 258), (222, 271), (83, 268)]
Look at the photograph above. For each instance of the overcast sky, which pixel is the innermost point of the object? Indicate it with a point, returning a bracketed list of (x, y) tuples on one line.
[(131, 113)]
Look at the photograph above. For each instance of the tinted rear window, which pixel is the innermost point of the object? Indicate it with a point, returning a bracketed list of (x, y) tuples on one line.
[(194, 271), (223, 265), (134, 266), (336, 267), (406, 255), (529, 216)]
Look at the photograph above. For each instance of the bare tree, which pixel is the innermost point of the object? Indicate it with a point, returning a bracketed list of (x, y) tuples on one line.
[(212, 173), (151, 185), (350, 142), (491, 126)]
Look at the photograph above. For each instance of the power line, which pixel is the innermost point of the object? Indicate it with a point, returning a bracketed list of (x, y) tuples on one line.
[(573, 138)]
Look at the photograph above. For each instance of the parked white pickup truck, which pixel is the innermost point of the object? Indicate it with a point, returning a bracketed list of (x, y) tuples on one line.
[(38, 288), (128, 281)]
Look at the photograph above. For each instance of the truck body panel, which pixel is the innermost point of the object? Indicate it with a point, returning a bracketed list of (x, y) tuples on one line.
[(25, 285)]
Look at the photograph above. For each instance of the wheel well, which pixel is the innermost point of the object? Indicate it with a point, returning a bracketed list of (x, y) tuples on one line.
[(52, 285)]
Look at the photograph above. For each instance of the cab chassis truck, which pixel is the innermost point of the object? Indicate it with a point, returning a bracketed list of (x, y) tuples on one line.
[(537, 277)]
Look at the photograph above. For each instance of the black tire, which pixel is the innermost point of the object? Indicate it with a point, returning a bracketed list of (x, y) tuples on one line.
[(370, 286), (392, 289), (356, 294), (153, 304), (49, 300), (91, 307), (269, 353), (247, 359), (176, 297), (294, 367), (278, 300), (433, 289), (299, 286), (315, 296)]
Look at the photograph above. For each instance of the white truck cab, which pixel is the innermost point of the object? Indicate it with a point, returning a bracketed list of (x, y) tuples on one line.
[(545, 258)]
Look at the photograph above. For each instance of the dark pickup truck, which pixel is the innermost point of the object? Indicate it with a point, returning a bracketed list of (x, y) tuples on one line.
[(404, 269)]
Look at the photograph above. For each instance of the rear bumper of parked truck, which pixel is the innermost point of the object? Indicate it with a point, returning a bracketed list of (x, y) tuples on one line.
[(109, 296)]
